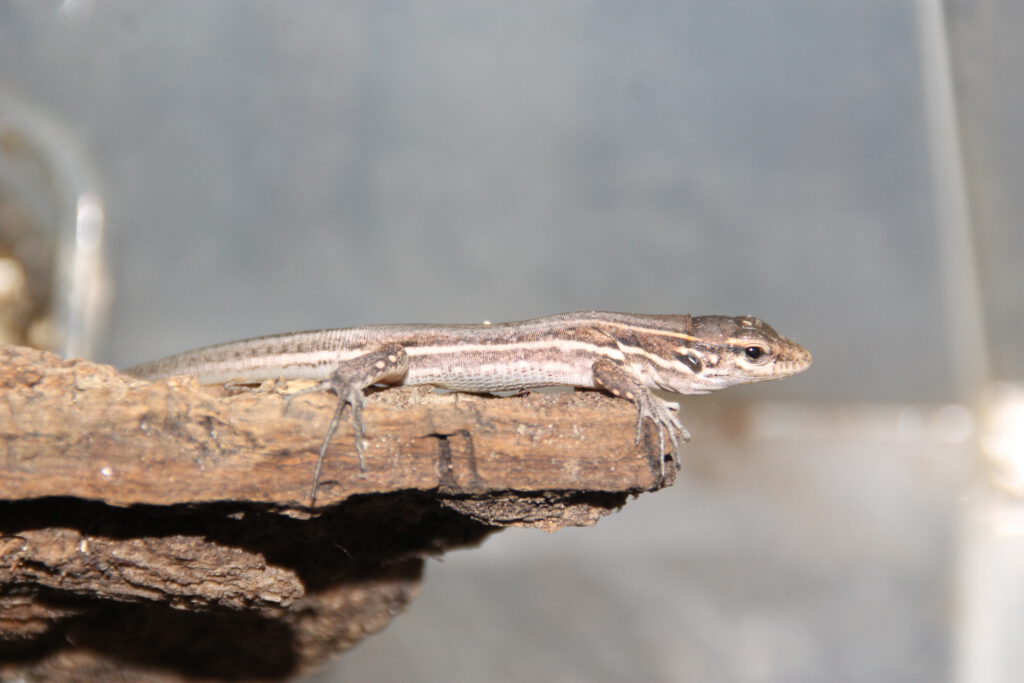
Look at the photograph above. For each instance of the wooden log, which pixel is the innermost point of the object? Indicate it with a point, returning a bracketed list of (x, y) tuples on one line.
[(163, 530)]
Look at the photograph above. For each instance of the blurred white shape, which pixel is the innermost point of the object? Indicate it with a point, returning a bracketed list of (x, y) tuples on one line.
[(85, 294), (90, 219), (1002, 441), (991, 613), (44, 169)]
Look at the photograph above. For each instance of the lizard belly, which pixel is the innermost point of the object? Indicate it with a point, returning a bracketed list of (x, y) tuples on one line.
[(500, 376)]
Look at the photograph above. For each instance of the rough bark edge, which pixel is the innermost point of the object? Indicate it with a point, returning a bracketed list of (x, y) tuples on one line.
[(162, 529)]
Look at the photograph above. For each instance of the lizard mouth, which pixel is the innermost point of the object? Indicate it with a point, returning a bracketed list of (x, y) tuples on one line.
[(799, 361)]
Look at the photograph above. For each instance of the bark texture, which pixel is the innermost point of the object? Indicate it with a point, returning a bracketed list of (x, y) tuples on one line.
[(163, 531)]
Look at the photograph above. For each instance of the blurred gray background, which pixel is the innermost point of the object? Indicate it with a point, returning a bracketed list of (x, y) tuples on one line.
[(268, 167)]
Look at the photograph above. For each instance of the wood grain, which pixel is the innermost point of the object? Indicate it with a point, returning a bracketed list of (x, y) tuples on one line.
[(163, 530)]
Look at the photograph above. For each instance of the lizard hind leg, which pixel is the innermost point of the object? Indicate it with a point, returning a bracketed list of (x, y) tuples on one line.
[(387, 363)]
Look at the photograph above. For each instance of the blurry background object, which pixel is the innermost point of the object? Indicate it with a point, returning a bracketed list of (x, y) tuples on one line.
[(985, 162), (848, 171), (54, 287)]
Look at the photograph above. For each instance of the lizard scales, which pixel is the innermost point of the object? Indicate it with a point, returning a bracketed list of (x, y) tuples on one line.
[(624, 354)]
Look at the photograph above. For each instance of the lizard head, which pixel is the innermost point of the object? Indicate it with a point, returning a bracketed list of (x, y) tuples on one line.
[(733, 350)]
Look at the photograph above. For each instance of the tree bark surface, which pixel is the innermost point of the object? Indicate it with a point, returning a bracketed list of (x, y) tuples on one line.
[(163, 531)]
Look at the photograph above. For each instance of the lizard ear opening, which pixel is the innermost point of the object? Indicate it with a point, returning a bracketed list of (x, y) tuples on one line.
[(691, 361)]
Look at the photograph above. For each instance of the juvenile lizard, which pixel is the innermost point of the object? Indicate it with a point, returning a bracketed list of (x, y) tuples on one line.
[(623, 354)]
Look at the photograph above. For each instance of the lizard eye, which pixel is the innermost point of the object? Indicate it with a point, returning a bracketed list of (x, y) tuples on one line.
[(755, 353), (691, 361)]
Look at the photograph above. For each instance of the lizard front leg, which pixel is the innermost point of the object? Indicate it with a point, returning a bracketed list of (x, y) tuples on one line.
[(385, 364), (618, 381)]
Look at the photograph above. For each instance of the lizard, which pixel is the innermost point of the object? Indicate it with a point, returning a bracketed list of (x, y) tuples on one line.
[(624, 354)]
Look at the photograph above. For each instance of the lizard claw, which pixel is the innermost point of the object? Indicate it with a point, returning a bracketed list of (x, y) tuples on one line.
[(347, 395), (663, 415)]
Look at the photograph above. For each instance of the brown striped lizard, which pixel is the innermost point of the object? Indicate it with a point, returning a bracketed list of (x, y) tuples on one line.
[(624, 354)]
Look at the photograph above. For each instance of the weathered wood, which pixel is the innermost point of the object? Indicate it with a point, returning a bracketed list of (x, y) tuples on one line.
[(80, 429), (163, 529)]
